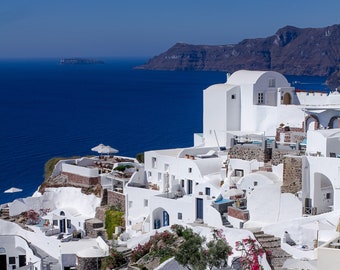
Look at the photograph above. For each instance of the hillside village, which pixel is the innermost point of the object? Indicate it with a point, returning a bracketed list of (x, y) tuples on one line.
[(266, 162)]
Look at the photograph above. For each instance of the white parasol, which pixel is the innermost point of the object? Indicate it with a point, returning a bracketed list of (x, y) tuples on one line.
[(12, 190), (98, 148), (107, 149)]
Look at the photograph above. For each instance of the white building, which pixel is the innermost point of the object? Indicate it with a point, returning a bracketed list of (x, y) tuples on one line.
[(321, 179), (250, 101), (183, 184), (15, 252)]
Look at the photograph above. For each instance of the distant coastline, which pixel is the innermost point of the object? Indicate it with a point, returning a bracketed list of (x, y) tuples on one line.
[(79, 61)]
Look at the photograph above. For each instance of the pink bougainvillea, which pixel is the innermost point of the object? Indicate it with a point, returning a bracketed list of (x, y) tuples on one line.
[(251, 251)]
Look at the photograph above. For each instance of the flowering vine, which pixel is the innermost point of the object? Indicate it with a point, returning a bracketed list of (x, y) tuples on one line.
[(251, 252)]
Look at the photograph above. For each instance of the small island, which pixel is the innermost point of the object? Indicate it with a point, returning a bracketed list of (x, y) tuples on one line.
[(81, 61)]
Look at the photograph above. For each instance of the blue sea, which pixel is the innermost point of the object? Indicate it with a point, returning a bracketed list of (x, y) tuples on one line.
[(51, 110)]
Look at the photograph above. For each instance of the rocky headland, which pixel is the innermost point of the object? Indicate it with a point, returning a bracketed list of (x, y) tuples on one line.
[(291, 51)]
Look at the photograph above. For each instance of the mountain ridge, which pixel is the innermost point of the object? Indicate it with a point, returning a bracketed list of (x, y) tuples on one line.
[(290, 51)]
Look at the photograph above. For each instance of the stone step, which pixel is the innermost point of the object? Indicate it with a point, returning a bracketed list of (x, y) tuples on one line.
[(263, 235), (278, 262), (268, 239), (257, 232), (280, 253), (271, 245), (226, 223)]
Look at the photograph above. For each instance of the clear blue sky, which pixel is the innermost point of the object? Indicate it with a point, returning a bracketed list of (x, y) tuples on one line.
[(120, 28)]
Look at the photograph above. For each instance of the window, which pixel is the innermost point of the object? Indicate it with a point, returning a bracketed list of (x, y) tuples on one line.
[(207, 191), (11, 260), (179, 216), (55, 222), (271, 82), (189, 186), (22, 260), (182, 183), (190, 170), (69, 224), (260, 98), (146, 203), (238, 172), (233, 96), (328, 196), (255, 183), (159, 176), (166, 167), (149, 174), (130, 204), (154, 162)]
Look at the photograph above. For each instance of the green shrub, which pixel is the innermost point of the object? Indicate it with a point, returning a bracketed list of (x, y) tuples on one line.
[(122, 167), (140, 157), (113, 219)]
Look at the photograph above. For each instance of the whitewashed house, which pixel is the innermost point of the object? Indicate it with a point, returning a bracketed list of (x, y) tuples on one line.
[(321, 181), (253, 102), (175, 178), (15, 252)]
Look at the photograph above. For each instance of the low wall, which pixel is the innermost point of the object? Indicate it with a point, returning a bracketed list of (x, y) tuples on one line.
[(247, 153), (82, 180), (238, 213)]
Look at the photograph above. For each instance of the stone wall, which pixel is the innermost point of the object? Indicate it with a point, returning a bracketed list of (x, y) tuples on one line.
[(247, 152), (94, 228), (100, 213), (279, 155), (116, 199), (292, 174), (81, 180), (88, 263)]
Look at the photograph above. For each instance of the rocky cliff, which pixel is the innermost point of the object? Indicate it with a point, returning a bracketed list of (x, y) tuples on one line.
[(291, 51)]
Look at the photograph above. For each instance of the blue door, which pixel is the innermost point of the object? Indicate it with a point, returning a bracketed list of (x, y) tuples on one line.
[(199, 208), (165, 218), (189, 187), (62, 225)]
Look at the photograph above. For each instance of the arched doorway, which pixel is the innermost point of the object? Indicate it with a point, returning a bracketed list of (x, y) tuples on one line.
[(287, 98), (160, 218), (323, 193), (312, 122), (334, 124)]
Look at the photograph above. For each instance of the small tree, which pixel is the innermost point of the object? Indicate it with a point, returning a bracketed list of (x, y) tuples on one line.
[(191, 253), (194, 253), (218, 250), (140, 157)]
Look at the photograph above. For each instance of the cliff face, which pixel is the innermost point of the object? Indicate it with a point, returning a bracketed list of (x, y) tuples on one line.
[(291, 51)]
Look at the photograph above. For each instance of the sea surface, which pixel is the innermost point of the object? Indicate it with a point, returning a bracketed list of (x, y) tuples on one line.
[(52, 110)]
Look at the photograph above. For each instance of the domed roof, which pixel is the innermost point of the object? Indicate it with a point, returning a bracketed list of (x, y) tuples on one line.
[(248, 76)]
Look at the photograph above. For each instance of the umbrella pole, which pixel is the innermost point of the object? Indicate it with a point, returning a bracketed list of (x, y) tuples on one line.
[(316, 241)]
